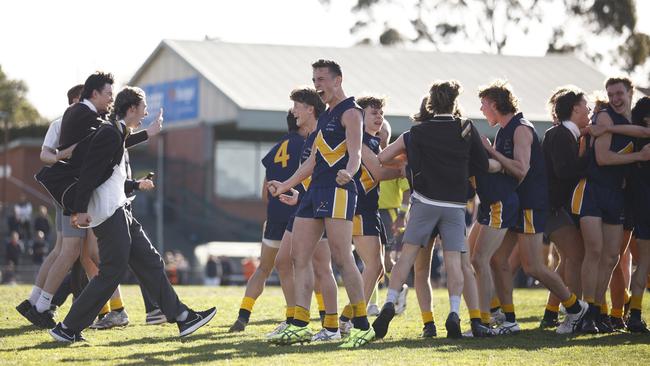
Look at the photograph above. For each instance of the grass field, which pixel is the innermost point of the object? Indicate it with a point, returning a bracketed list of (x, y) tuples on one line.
[(139, 344)]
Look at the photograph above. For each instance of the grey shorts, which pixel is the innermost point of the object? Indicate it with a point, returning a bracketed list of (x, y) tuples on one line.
[(424, 218), (63, 225), (557, 219)]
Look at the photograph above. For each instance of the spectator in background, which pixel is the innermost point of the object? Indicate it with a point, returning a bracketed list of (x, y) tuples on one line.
[(170, 268), (42, 223), (226, 270), (23, 212), (213, 272), (39, 247), (182, 267), (13, 249)]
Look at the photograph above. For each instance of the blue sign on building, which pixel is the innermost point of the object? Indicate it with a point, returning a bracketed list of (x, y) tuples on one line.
[(178, 98)]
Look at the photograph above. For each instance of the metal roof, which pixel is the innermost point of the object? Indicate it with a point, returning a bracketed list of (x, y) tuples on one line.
[(260, 77)]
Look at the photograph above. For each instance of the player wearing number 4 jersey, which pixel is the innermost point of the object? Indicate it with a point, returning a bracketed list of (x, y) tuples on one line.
[(280, 163)]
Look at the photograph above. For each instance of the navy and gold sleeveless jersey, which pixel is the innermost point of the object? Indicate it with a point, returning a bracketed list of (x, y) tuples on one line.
[(494, 187), (611, 176), (331, 150), (533, 190), (280, 163), (367, 186), (641, 193), (306, 152)]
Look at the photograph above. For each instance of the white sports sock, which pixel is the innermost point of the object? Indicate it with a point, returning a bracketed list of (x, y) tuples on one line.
[(44, 302), (36, 293), (454, 304), (392, 296), (182, 316)]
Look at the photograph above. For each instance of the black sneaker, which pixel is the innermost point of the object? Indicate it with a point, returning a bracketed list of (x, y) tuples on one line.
[(588, 325), (453, 326), (604, 324), (380, 325), (481, 331), (548, 323), (66, 335), (239, 326), (618, 324), (636, 325), (195, 320), (429, 330), (43, 320), (23, 308)]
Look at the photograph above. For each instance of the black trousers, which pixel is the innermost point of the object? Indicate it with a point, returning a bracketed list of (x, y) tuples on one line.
[(123, 244)]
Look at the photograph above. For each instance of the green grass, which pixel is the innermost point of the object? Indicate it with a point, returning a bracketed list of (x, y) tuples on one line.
[(139, 344)]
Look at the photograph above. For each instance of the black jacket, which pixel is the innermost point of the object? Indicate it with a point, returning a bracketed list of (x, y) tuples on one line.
[(441, 153), (564, 167)]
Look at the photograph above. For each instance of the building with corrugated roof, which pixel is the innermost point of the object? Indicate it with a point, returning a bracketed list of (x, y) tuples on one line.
[(225, 106)]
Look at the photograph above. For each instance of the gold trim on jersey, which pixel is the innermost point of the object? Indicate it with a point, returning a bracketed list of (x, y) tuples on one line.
[(305, 183), (578, 196), (496, 212), (329, 154), (340, 209), (628, 149), (366, 180), (529, 227), (472, 181)]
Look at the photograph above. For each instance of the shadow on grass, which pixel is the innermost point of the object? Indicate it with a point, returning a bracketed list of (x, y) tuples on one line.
[(215, 346), (12, 332)]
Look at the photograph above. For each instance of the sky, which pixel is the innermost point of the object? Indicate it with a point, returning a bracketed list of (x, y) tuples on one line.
[(53, 45)]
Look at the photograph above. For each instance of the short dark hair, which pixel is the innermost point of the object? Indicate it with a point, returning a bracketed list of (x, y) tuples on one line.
[(128, 97), (96, 81), (621, 79), (423, 114), (500, 93), (292, 122), (564, 101), (310, 97), (443, 95), (332, 66), (371, 101), (640, 111), (74, 93)]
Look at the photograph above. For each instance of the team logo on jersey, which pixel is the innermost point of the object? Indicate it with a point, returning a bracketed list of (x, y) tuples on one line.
[(329, 154)]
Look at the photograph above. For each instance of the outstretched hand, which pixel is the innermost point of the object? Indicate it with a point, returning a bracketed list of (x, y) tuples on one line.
[(156, 126)]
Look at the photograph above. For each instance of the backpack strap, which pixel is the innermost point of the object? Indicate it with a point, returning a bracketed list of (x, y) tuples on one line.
[(465, 127)]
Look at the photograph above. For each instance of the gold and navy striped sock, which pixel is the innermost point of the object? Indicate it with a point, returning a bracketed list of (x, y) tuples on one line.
[(360, 319), (246, 308)]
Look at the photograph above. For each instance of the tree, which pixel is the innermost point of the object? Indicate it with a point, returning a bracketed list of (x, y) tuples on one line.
[(13, 101), (601, 31)]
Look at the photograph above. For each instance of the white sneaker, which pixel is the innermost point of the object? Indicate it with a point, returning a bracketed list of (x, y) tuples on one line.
[(497, 318), (325, 335), (571, 321), (345, 327), (400, 306), (507, 328), (112, 319), (277, 329), (373, 310)]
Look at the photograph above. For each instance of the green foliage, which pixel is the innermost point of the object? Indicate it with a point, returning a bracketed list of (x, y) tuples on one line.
[(139, 344), (13, 101)]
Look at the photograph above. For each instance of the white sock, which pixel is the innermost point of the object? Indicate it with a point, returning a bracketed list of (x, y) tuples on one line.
[(454, 304), (36, 293), (64, 326), (44, 301), (392, 296), (182, 316)]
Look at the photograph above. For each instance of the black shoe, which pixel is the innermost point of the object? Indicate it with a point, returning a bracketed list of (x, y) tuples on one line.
[(548, 323), (23, 308), (588, 326), (481, 331), (636, 325), (453, 326), (618, 324), (66, 335), (429, 330), (195, 320), (604, 324), (239, 326), (43, 320), (380, 325)]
